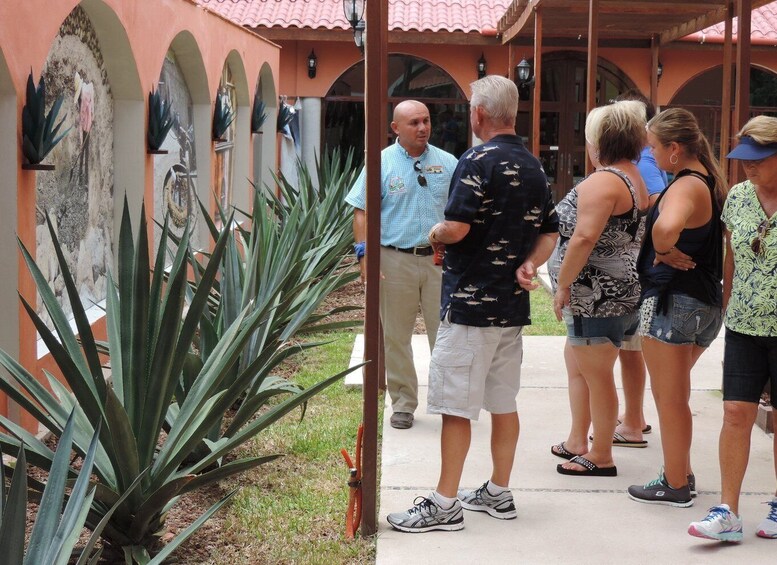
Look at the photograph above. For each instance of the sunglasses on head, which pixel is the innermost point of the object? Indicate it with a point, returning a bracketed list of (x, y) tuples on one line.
[(418, 168), (757, 244)]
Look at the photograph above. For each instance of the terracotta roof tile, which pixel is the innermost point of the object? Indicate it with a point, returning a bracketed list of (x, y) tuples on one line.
[(763, 28), (404, 15)]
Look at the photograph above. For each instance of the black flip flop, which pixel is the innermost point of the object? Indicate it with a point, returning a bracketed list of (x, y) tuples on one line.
[(619, 441), (646, 430), (560, 450), (591, 469)]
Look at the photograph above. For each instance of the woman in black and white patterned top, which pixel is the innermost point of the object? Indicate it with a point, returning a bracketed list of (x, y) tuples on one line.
[(601, 223)]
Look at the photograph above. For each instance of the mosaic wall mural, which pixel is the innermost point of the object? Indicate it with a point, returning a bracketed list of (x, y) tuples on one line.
[(175, 174), (78, 194)]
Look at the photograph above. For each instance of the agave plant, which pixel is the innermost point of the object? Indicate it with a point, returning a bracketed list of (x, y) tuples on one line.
[(285, 115), (151, 328), (55, 531), (223, 116), (160, 120), (258, 115), (296, 253), (39, 134)]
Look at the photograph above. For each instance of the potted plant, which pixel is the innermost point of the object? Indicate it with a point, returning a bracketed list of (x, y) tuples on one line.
[(39, 134), (160, 120), (285, 115), (223, 116), (258, 115)]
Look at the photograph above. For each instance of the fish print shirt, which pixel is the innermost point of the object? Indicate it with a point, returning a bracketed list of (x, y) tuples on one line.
[(501, 191)]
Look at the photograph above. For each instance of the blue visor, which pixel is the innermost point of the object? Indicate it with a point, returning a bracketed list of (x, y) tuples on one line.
[(750, 150)]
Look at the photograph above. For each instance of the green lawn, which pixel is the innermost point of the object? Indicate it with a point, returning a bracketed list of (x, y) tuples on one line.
[(543, 320), (292, 510)]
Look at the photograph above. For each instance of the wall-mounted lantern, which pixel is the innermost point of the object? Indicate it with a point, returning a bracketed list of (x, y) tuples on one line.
[(481, 66), (312, 64)]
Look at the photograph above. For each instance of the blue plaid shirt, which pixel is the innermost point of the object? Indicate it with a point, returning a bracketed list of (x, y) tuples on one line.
[(501, 191), (408, 210)]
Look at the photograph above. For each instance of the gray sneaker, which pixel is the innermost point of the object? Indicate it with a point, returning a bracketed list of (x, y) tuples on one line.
[(480, 500), (658, 491), (692, 485), (426, 515)]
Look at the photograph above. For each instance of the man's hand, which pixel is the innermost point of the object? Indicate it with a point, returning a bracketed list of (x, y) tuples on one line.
[(433, 241), (526, 274)]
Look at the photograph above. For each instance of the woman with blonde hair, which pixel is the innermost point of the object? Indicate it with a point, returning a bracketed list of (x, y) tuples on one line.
[(750, 354), (680, 269), (601, 222)]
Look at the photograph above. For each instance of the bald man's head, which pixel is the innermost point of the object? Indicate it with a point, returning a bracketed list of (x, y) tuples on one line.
[(412, 126)]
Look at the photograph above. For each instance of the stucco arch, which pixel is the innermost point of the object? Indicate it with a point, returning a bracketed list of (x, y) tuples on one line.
[(235, 62), (241, 189), (264, 145), (702, 94), (439, 62), (189, 57), (129, 110)]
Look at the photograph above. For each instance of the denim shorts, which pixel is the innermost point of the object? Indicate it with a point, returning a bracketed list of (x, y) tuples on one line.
[(584, 330), (749, 361), (687, 321)]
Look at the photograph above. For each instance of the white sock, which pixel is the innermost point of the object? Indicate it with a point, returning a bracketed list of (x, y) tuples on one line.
[(443, 501), (494, 489)]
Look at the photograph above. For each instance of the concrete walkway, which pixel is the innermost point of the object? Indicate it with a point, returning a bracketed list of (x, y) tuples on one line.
[(569, 519)]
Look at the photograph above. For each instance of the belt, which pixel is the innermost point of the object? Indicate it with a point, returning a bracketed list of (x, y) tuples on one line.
[(419, 251)]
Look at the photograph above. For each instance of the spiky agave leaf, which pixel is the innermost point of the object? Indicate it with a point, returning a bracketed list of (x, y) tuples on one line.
[(223, 116), (258, 114), (39, 132), (160, 119)]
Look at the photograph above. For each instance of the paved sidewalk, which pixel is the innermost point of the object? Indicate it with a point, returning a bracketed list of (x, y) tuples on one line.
[(569, 519)]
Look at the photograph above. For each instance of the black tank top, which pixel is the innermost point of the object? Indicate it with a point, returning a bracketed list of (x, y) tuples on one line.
[(704, 245)]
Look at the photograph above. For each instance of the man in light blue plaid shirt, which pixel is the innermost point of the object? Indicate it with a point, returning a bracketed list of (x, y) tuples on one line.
[(415, 177)]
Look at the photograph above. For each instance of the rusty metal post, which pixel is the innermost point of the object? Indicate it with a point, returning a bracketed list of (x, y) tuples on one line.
[(376, 13)]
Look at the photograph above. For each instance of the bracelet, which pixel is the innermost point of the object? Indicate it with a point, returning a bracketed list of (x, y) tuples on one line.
[(360, 249), (667, 252)]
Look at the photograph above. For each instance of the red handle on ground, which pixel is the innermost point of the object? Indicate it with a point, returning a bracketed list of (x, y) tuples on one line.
[(353, 515)]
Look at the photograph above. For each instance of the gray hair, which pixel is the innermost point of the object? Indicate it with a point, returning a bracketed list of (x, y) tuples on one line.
[(497, 96)]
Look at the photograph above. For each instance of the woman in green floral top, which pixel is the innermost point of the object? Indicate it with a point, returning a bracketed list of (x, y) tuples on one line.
[(750, 300)]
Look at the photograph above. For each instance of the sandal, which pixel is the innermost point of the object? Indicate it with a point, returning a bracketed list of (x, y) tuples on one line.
[(560, 450), (591, 469), (619, 441)]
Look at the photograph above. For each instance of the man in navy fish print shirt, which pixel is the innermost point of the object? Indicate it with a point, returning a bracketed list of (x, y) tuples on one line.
[(500, 225)]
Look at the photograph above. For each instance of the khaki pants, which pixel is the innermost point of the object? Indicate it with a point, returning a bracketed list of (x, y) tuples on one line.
[(409, 281)]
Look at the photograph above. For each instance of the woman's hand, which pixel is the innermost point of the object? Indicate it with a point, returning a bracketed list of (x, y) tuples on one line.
[(560, 300), (675, 259)]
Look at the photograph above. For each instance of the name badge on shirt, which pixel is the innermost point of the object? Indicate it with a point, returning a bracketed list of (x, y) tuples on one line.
[(434, 169), (396, 185)]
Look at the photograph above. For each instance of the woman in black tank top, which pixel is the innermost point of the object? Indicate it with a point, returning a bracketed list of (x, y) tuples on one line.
[(680, 269)]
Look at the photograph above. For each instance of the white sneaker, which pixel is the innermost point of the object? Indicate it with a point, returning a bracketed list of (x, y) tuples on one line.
[(426, 515), (768, 526), (720, 524), (499, 506)]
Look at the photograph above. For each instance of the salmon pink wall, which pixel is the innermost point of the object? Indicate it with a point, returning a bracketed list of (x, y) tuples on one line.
[(134, 37)]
